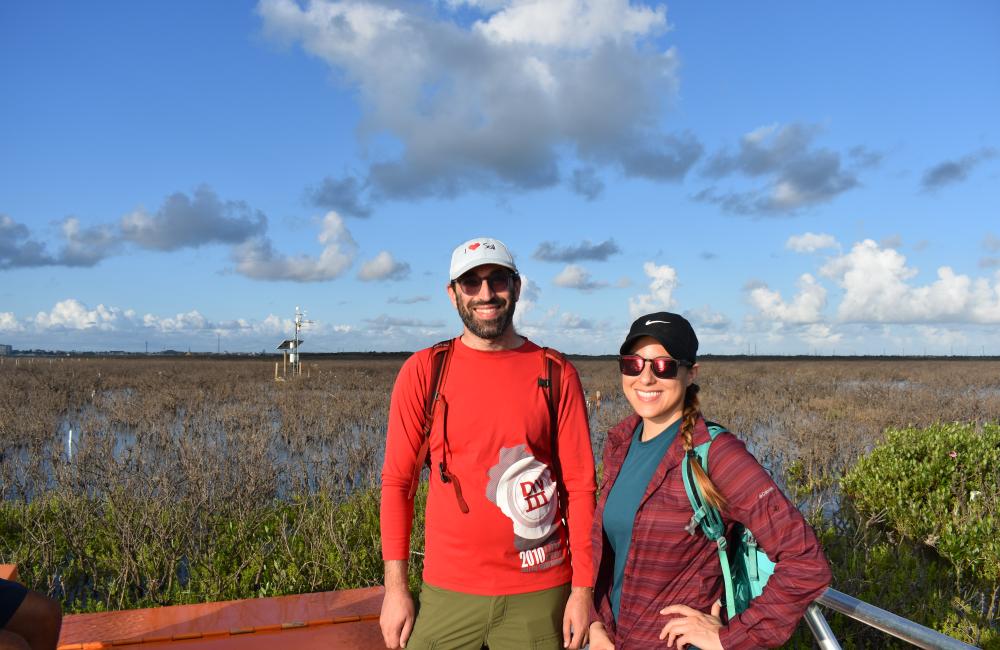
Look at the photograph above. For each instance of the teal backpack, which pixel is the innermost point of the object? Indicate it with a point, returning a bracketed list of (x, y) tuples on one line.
[(749, 568)]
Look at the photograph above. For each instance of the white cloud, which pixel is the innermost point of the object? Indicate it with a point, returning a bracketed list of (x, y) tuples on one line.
[(573, 24), (276, 325), (192, 320), (663, 281), (820, 335), (257, 258), (575, 322), (530, 292), (383, 267), (811, 242), (706, 318), (805, 307), (577, 277), (9, 323), (451, 106), (877, 288), (73, 314), (944, 339)]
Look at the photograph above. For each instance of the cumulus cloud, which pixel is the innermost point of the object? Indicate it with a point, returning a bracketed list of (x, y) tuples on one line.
[(955, 171), (878, 287), (186, 221), (569, 24), (182, 221), (86, 246), (492, 95), (81, 246), (18, 249), (575, 322), (577, 277), (805, 307), (383, 267), (9, 322), (663, 281), (530, 293), (71, 314), (257, 258), (342, 195), (811, 242), (549, 251), (796, 173), (183, 322), (707, 318), (820, 335)]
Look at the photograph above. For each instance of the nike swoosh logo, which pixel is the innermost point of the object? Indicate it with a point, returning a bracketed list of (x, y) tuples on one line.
[(650, 322)]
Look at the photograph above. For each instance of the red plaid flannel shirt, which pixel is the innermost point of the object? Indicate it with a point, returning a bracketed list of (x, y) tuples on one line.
[(668, 566)]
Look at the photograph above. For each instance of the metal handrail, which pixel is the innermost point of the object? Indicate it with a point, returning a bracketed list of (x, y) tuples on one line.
[(880, 619)]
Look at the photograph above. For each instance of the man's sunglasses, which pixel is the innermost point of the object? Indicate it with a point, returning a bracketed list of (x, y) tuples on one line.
[(499, 282), (663, 367)]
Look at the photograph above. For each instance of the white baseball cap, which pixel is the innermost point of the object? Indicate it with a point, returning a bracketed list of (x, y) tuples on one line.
[(479, 251)]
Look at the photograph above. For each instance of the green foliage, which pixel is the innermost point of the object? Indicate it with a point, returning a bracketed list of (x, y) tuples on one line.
[(117, 552), (939, 486), (925, 540)]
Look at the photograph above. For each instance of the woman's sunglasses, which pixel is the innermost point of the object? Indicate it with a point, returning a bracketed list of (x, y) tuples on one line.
[(499, 282), (663, 367)]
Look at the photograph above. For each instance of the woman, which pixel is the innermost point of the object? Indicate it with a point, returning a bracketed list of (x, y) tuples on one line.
[(659, 585)]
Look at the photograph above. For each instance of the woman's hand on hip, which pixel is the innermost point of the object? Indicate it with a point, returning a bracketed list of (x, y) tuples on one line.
[(599, 639), (691, 627)]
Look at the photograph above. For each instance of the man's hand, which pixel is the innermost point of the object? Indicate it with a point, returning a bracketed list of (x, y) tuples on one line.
[(576, 618), (692, 627), (599, 639), (398, 612)]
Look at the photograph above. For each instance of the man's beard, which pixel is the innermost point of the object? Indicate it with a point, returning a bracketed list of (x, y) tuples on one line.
[(487, 329)]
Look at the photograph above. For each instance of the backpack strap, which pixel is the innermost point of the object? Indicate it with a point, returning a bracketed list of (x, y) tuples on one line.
[(440, 360), (551, 384), (705, 515)]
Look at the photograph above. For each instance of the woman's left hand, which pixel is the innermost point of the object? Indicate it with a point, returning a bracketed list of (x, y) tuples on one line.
[(692, 627)]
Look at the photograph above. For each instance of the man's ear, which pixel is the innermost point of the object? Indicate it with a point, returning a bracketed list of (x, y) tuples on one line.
[(517, 288), (450, 288)]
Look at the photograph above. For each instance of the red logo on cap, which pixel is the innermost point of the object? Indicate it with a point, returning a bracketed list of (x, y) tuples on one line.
[(474, 246)]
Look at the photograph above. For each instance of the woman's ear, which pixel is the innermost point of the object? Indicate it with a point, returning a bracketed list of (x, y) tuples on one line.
[(692, 374)]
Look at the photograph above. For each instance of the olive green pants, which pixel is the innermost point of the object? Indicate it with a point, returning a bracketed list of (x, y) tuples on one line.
[(450, 620)]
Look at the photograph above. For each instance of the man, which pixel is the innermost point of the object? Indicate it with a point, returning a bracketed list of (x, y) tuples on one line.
[(500, 568), (27, 619)]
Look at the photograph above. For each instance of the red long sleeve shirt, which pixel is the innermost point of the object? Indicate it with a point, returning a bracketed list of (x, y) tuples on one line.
[(496, 422), (668, 566)]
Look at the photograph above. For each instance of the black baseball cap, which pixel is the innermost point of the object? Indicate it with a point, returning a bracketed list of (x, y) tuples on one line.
[(672, 331)]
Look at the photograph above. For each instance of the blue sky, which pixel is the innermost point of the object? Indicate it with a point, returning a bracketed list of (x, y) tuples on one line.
[(795, 177)]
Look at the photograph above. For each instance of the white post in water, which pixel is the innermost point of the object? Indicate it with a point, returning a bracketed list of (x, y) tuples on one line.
[(69, 445)]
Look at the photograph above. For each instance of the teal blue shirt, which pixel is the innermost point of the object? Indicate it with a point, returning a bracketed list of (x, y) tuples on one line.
[(623, 501)]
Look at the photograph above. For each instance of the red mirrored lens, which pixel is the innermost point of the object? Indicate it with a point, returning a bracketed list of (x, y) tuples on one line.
[(632, 365)]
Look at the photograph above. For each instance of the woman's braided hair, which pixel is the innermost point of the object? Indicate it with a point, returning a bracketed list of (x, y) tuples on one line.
[(690, 419)]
